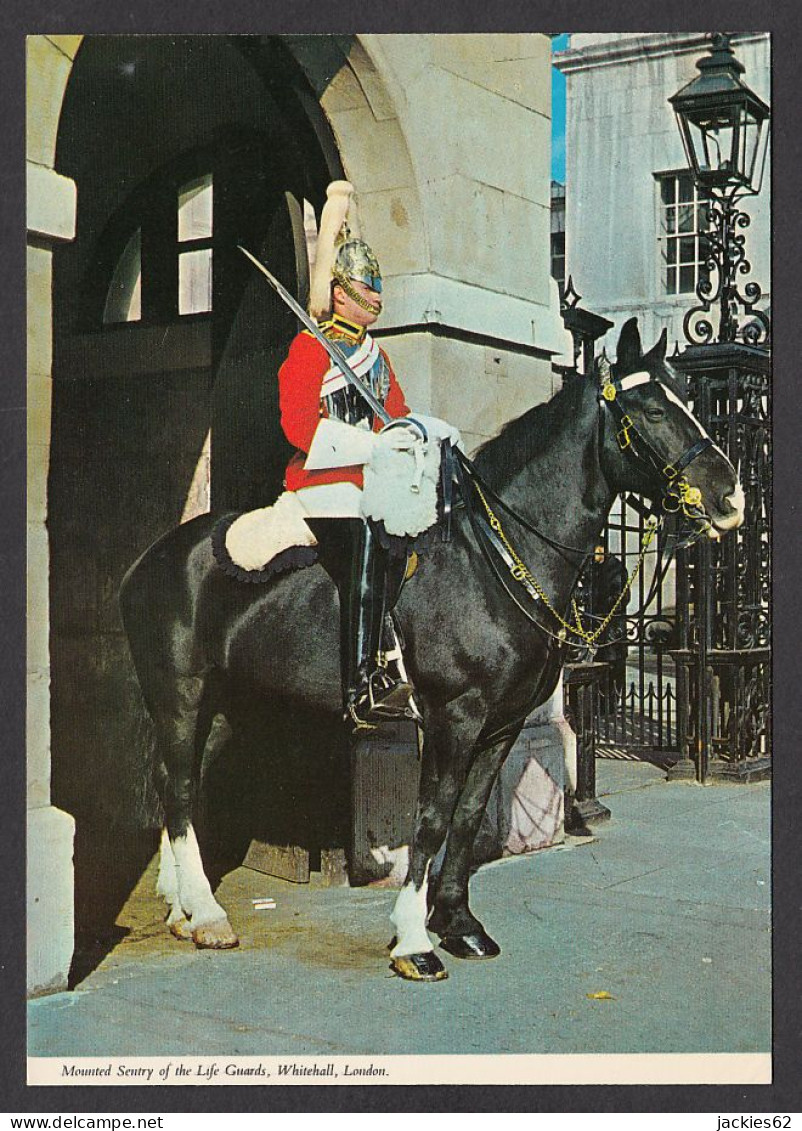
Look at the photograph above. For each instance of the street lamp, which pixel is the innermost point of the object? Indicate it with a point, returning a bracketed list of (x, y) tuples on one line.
[(724, 128), (723, 661)]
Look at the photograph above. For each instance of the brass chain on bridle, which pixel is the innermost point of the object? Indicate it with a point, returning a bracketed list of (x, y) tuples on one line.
[(522, 574), (678, 495)]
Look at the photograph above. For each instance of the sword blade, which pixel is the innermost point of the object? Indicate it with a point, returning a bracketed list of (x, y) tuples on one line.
[(328, 346)]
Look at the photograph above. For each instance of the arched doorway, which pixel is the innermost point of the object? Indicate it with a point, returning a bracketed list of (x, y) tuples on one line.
[(181, 148)]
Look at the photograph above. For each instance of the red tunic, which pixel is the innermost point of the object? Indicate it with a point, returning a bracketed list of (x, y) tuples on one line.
[(300, 380)]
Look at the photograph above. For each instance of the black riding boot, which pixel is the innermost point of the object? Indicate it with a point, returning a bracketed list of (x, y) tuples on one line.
[(370, 692)]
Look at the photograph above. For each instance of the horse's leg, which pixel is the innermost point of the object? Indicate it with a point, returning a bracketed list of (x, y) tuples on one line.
[(167, 888), (185, 884), (573, 820), (461, 933), (443, 767), (567, 737)]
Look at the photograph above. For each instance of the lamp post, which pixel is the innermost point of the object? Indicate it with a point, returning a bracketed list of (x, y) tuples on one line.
[(722, 589), (724, 128)]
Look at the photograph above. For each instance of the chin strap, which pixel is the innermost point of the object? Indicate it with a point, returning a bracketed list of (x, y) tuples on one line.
[(355, 296)]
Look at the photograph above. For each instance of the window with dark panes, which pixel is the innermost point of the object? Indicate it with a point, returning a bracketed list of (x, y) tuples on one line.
[(683, 222), (165, 267), (195, 207)]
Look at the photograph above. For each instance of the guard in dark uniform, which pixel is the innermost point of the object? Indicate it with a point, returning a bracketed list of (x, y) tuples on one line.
[(607, 578)]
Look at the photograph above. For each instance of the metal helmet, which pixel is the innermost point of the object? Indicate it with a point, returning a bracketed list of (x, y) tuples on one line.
[(356, 260)]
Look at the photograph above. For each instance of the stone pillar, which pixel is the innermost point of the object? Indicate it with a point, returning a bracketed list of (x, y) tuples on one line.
[(50, 832)]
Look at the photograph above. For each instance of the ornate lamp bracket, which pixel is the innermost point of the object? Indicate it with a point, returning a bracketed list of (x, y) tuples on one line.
[(724, 263)]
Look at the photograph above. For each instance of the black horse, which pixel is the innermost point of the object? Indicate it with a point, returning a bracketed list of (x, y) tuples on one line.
[(482, 647)]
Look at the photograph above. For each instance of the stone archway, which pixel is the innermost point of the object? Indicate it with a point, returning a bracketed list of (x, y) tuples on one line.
[(52, 62), (359, 107), (360, 97)]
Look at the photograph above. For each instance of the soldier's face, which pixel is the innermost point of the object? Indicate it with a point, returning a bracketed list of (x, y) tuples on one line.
[(347, 308)]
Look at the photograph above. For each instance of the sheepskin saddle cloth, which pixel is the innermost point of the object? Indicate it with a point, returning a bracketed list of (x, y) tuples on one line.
[(257, 545), (400, 498)]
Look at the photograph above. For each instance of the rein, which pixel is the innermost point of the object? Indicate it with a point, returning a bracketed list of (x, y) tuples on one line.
[(490, 535), (678, 496)]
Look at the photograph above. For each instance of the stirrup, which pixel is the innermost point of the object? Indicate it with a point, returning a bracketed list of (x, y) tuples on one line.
[(357, 724), (382, 699)]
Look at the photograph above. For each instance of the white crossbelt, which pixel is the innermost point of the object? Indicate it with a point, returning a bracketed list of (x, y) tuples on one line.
[(360, 362)]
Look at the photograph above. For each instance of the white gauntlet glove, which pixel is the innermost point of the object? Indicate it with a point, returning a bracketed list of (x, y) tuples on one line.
[(437, 429), (399, 436)]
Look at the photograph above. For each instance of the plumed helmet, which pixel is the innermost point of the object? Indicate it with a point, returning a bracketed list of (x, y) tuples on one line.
[(356, 260), (341, 255)]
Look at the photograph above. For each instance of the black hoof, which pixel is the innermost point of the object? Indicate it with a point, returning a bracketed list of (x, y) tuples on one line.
[(423, 967), (578, 829), (575, 822), (478, 945)]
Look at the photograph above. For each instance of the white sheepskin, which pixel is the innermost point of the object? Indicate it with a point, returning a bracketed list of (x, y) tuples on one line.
[(255, 538), (400, 488)]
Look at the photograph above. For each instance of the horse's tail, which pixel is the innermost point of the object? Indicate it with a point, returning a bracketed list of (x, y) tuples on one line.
[(147, 611)]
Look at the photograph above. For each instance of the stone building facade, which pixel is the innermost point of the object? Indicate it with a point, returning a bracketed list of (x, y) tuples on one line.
[(626, 179), (447, 141)]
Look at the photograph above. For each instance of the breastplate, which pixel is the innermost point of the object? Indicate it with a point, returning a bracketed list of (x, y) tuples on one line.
[(347, 405)]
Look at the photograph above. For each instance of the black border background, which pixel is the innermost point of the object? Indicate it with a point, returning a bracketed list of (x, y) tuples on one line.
[(19, 18)]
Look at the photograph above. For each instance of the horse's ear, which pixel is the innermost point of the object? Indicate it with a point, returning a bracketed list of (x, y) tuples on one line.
[(629, 346), (660, 348)]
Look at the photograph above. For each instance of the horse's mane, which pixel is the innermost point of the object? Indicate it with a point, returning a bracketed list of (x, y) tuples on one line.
[(529, 435)]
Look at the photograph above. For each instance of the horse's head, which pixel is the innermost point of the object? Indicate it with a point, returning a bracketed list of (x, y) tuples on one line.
[(665, 452)]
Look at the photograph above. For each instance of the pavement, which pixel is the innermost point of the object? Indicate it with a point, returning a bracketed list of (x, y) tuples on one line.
[(665, 913)]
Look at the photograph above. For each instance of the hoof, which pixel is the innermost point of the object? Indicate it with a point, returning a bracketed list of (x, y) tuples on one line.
[(425, 967), (180, 929), (215, 936), (478, 945), (574, 823)]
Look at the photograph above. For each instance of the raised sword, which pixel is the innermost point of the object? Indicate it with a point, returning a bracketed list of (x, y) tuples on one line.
[(328, 346)]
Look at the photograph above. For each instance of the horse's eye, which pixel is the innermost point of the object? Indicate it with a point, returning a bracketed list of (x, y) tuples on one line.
[(655, 412)]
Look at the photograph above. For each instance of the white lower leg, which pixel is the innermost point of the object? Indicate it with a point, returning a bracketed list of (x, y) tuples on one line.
[(567, 737), (167, 882), (194, 892), (409, 919), (569, 752)]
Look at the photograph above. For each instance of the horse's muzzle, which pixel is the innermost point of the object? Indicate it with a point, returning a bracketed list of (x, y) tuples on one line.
[(729, 513)]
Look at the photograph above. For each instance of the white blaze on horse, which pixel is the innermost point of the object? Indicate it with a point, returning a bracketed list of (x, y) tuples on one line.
[(483, 619)]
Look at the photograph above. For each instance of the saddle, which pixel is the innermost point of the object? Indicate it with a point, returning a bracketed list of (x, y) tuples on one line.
[(255, 546)]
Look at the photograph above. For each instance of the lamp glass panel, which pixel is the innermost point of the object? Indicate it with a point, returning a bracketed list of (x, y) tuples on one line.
[(715, 143)]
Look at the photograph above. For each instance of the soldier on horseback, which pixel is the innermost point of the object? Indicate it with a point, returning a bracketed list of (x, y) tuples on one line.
[(337, 433)]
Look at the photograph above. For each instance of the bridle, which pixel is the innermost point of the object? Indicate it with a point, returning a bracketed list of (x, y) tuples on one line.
[(677, 497)]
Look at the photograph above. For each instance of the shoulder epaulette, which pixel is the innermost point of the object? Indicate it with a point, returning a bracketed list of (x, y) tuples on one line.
[(339, 330)]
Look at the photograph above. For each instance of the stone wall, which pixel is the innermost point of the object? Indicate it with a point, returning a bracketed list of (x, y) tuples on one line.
[(50, 218), (478, 387)]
